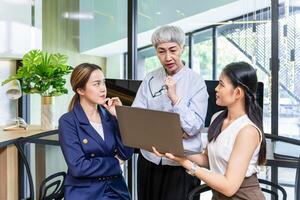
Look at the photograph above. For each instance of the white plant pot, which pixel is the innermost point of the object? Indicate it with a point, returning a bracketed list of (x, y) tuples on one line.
[(47, 113)]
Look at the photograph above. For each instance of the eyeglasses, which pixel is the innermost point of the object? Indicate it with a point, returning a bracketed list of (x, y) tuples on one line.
[(159, 92)]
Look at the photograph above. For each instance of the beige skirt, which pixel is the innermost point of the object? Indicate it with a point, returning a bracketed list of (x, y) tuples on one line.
[(249, 190)]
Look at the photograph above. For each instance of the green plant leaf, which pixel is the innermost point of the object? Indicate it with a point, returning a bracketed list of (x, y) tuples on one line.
[(32, 58), (42, 73)]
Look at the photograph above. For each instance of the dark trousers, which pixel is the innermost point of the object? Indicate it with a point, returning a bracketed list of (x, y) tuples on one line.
[(163, 182)]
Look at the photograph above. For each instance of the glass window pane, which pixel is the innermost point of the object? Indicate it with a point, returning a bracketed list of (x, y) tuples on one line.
[(103, 32), (289, 70), (249, 39), (286, 178), (202, 53), (289, 90)]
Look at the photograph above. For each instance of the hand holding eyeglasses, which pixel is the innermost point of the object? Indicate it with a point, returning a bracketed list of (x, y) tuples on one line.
[(111, 104), (171, 89)]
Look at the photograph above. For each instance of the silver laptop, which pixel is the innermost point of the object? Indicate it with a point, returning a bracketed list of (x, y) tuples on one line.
[(144, 128)]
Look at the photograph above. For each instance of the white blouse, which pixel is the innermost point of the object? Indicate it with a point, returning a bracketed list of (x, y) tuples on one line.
[(219, 151), (98, 127)]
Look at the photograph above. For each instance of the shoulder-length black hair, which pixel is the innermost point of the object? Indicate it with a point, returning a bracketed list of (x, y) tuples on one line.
[(242, 74)]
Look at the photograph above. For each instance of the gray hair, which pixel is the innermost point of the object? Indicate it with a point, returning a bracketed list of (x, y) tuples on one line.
[(168, 34)]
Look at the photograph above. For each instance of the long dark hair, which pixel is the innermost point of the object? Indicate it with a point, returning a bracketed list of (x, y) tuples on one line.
[(79, 77), (243, 75)]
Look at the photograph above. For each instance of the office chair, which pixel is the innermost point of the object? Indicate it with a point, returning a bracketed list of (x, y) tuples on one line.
[(271, 190), (24, 161), (52, 187)]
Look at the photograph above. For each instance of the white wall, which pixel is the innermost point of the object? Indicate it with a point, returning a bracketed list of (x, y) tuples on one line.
[(17, 36), (115, 66)]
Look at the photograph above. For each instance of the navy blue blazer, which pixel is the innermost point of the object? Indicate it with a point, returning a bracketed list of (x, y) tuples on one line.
[(89, 157)]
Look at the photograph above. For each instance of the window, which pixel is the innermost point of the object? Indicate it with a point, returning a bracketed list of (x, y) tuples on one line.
[(202, 57)]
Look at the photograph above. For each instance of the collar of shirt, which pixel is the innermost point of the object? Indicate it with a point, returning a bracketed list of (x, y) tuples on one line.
[(179, 74)]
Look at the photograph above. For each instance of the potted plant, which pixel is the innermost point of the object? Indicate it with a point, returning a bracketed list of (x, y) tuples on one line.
[(43, 73)]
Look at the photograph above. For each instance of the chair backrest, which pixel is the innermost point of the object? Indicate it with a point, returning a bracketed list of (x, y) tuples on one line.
[(52, 187), (19, 145), (198, 190), (271, 190)]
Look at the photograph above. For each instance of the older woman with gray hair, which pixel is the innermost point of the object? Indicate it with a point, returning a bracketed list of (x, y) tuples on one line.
[(173, 88)]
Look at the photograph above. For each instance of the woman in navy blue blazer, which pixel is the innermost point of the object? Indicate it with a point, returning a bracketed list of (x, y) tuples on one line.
[(90, 140)]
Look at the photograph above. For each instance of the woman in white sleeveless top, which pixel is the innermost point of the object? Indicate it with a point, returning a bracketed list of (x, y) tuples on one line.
[(236, 142)]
